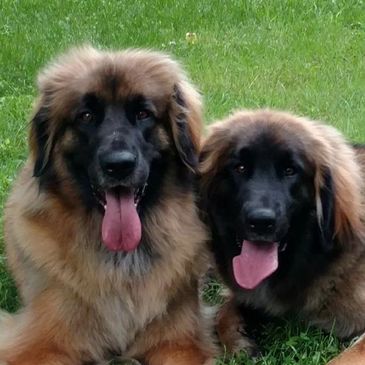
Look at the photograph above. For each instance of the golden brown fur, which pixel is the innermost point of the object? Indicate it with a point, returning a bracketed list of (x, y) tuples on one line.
[(335, 300), (79, 306), (355, 355)]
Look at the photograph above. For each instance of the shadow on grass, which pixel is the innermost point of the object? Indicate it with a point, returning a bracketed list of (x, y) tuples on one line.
[(8, 293)]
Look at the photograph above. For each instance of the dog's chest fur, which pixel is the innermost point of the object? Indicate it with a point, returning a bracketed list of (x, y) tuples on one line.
[(124, 312), (108, 298)]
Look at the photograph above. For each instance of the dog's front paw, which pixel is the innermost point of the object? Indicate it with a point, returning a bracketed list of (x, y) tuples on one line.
[(237, 340), (232, 333), (247, 344)]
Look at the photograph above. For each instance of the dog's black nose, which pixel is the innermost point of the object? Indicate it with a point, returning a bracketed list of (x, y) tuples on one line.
[(118, 164), (261, 221)]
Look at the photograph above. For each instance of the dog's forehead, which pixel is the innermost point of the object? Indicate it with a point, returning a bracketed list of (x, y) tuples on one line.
[(121, 87), (120, 80), (267, 136), (112, 76)]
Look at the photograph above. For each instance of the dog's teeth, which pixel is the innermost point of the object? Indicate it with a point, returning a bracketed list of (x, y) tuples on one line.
[(139, 193)]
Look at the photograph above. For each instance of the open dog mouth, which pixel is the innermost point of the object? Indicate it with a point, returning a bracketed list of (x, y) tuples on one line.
[(257, 261), (100, 194), (121, 226)]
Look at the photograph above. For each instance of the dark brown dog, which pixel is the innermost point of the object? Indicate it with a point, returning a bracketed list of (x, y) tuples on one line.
[(101, 228), (284, 197)]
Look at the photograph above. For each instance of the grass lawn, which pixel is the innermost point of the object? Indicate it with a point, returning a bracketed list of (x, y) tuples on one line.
[(306, 56)]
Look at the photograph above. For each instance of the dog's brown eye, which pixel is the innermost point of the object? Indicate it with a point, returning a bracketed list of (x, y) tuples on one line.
[(289, 171), (240, 169), (86, 117), (142, 114)]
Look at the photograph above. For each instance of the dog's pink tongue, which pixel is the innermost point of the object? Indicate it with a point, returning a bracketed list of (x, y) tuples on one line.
[(121, 227), (255, 263)]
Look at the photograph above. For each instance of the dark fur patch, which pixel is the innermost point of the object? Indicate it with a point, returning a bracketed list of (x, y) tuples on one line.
[(327, 226), (40, 125), (185, 147)]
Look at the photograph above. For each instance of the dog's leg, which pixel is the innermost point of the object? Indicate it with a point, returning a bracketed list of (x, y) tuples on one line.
[(38, 335), (232, 330), (40, 355), (25, 349), (179, 353)]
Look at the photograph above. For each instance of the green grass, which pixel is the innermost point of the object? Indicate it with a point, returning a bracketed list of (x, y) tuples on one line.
[(290, 344), (306, 56)]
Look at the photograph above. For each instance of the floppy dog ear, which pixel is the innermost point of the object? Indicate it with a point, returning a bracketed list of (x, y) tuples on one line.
[(39, 141), (327, 216), (186, 124)]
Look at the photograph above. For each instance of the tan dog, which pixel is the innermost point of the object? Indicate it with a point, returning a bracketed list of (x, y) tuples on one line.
[(284, 197), (101, 227)]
